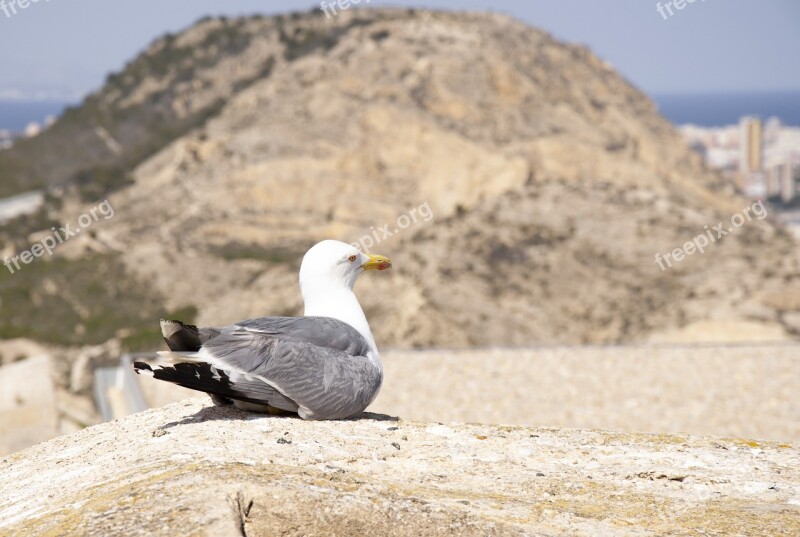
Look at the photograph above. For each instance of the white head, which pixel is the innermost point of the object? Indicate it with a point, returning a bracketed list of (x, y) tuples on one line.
[(333, 264), (327, 275)]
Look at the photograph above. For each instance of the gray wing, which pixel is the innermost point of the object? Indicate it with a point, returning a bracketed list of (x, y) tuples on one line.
[(306, 359), (320, 331)]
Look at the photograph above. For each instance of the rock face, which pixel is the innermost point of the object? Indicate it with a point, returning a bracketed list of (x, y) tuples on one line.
[(543, 185), (199, 470)]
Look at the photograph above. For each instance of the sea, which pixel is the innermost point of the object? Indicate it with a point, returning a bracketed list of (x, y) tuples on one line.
[(722, 109), (705, 110), (16, 115)]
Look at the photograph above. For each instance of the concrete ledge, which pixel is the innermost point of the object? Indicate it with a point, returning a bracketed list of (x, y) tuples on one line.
[(747, 391), (28, 412), (191, 469)]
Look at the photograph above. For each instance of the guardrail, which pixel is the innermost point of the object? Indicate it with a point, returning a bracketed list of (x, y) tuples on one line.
[(116, 389)]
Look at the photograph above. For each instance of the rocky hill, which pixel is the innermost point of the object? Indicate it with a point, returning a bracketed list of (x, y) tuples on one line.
[(542, 183), (215, 471)]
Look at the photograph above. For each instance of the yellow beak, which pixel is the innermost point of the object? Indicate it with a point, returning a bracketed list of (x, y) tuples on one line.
[(377, 262)]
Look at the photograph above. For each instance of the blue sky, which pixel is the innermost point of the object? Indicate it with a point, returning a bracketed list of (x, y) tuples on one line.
[(66, 47)]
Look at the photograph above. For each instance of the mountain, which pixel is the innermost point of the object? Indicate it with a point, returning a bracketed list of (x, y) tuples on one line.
[(542, 183)]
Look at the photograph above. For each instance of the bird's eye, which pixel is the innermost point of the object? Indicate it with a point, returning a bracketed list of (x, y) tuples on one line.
[(352, 258)]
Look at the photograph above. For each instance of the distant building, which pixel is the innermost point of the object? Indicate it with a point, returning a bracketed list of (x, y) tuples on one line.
[(751, 154), (32, 129), (754, 185), (761, 158), (700, 148), (774, 180), (751, 144), (788, 185)]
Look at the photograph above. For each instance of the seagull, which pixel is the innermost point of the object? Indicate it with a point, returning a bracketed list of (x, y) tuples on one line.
[(322, 366)]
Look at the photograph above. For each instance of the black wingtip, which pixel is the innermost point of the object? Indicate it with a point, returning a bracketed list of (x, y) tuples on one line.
[(141, 366)]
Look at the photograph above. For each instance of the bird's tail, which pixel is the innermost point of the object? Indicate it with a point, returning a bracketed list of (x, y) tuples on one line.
[(191, 372), (195, 376)]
